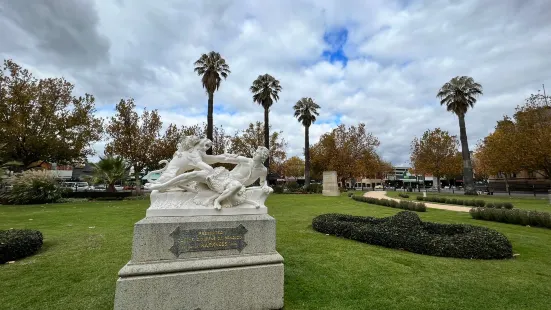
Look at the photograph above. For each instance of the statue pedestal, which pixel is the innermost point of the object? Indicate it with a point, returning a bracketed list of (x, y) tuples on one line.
[(203, 262)]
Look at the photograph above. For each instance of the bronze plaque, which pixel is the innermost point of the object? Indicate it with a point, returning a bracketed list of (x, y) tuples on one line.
[(210, 239)]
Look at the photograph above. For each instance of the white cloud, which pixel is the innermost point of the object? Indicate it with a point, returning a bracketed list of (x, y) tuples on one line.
[(400, 53)]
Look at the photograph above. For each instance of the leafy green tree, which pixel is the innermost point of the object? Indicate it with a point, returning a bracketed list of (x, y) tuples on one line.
[(41, 119), (458, 95), (306, 111), (265, 91), (245, 143), (212, 68), (294, 167), (110, 169), (134, 137)]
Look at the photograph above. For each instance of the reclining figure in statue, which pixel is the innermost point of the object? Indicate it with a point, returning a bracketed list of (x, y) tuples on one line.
[(230, 186), (190, 155)]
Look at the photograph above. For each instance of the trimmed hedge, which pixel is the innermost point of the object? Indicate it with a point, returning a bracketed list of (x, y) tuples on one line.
[(467, 202), (403, 195), (406, 205), (406, 231), (499, 205), (514, 216), (18, 243)]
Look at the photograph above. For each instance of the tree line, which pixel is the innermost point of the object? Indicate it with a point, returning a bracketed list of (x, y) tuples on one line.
[(519, 143), (42, 120)]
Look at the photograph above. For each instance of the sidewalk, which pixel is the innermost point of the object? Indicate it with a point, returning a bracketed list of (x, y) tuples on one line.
[(382, 195)]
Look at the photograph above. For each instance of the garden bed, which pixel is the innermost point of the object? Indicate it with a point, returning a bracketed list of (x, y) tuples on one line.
[(406, 231)]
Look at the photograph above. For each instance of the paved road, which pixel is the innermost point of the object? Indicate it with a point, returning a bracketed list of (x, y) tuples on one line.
[(380, 195)]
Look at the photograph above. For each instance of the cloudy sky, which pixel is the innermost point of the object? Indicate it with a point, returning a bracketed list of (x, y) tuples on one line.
[(380, 62)]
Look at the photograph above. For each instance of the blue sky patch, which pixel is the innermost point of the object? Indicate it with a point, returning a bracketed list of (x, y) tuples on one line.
[(336, 39)]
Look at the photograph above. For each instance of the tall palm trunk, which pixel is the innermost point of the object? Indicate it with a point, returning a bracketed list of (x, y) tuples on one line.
[(210, 120), (306, 156), (267, 135), (468, 180)]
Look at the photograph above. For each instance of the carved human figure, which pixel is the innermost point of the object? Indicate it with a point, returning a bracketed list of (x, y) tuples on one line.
[(231, 186), (190, 155)]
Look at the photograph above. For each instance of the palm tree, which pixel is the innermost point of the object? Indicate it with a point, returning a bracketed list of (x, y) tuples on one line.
[(212, 67), (265, 91), (110, 169), (306, 111), (458, 95)]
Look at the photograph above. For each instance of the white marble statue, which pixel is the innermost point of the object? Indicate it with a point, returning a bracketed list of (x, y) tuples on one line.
[(189, 182)]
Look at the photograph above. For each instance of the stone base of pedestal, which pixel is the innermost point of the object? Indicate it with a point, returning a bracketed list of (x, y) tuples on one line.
[(331, 192), (202, 262), (245, 287)]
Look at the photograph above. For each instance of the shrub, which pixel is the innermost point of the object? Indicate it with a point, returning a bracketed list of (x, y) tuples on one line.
[(278, 189), (467, 202), (407, 232), (32, 187), (403, 195), (315, 188), (350, 194), (480, 203), (406, 205), (513, 216), (18, 243), (292, 186)]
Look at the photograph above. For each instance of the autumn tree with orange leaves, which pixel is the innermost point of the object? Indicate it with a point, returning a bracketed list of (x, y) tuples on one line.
[(499, 152), (435, 152), (350, 151)]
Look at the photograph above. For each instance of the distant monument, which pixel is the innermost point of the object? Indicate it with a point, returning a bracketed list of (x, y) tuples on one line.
[(207, 241), (330, 185)]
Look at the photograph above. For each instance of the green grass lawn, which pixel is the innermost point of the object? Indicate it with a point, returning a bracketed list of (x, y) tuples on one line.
[(540, 204), (86, 244)]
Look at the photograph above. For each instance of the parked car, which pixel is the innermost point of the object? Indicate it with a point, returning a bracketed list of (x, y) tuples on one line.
[(82, 186), (378, 187), (99, 187), (76, 186), (119, 187)]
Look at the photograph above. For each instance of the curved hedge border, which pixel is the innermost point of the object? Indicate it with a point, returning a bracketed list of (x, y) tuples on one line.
[(406, 231), (18, 243), (514, 216), (467, 202), (406, 205)]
